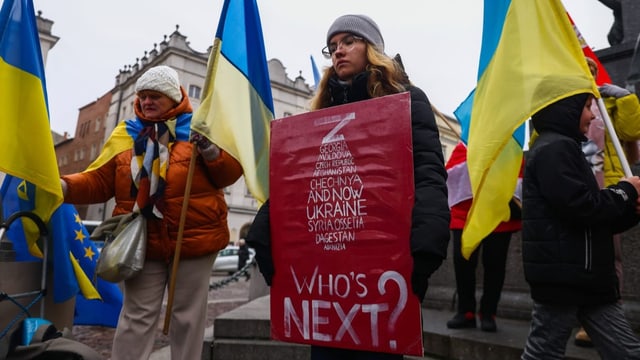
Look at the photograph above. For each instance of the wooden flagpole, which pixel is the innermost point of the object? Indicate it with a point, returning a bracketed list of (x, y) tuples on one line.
[(176, 256)]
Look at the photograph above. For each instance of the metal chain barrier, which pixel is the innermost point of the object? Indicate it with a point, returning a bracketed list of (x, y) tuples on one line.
[(242, 272)]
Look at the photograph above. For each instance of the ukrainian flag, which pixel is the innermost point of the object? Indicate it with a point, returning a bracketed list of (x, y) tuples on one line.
[(237, 106), (524, 43), (26, 150)]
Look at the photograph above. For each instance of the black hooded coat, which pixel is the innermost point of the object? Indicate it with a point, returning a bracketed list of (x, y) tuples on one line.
[(568, 221)]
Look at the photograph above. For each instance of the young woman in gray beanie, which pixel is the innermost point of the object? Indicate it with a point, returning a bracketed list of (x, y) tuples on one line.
[(361, 70)]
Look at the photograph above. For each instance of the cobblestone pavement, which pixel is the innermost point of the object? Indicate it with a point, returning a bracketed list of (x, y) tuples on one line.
[(99, 338)]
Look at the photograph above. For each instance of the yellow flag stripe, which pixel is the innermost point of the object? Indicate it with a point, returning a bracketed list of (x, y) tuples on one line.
[(86, 286)]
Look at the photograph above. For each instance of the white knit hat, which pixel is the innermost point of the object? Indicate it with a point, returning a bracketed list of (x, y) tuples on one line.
[(161, 79)]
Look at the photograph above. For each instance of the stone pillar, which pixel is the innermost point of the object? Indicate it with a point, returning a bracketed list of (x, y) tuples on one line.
[(630, 20), (19, 286), (617, 59), (257, 286), (60, 314), (22, 280)]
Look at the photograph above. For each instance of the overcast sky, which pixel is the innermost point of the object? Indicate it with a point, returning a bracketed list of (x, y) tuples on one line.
[(439, 40)]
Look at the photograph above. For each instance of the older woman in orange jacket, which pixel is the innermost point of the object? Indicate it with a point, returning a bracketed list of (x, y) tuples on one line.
[(144, 165)]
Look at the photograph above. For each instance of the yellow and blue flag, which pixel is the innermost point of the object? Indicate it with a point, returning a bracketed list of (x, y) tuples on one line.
[(237, 106), (26, 150), (524, 43)]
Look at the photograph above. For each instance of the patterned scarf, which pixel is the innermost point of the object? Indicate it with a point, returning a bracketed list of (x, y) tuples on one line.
[(149, 166)]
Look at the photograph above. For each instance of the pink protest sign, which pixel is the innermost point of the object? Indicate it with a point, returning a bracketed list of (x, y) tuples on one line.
[(341, 190)]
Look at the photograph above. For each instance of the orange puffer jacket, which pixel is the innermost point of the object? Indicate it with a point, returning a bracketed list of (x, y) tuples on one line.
[(205, 229)]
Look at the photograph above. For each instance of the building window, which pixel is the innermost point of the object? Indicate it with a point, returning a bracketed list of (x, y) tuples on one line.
[(227, 190), (97, 127), (286, 113), (194, 91), (94, 152)]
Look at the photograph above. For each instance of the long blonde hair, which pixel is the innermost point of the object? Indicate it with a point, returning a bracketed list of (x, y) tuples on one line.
[(386, 77)]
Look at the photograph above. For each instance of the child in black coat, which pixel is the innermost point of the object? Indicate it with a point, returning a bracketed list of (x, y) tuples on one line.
[(568, 223)]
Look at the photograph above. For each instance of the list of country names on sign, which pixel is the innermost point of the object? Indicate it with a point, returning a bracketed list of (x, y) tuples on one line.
[(335, 205)]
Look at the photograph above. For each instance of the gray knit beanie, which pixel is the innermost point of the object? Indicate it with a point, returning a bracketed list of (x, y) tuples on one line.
[(360, 25), (161, 79)]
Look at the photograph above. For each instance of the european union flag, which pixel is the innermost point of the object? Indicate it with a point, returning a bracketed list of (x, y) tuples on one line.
[(75, 256), (73, 259)]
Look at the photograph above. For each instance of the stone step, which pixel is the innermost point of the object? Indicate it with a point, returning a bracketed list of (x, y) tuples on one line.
[(507, 343), (244, 333), (257, 349)]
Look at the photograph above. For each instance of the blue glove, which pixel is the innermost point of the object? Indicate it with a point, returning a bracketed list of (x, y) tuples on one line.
[(610, 90)]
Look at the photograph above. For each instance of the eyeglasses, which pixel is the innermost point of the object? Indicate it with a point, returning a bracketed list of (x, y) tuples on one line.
[(347, 42)]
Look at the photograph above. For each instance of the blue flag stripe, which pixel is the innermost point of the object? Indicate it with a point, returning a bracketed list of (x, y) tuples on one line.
[(491, 34), (240, 20), (19, 39)]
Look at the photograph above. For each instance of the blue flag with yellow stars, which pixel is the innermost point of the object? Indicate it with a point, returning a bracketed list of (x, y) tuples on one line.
[(72, 258), (74, 262)]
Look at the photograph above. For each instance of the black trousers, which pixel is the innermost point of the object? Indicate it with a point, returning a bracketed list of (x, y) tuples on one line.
[(494, 259)]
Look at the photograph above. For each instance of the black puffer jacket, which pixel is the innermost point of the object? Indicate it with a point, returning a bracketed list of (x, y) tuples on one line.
[(430, 218), (568, 221)]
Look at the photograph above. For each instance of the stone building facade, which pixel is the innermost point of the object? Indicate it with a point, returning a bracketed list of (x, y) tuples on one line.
[(47, 39), (75, 154)]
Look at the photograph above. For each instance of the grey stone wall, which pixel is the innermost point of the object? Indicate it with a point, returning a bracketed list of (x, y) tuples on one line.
[(630, 19)]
